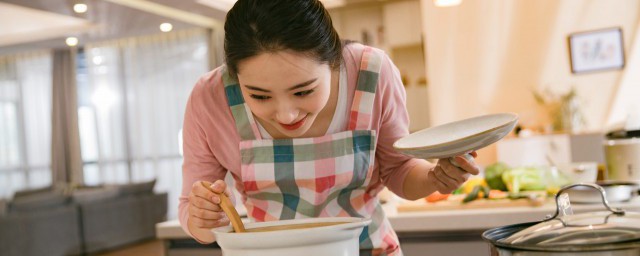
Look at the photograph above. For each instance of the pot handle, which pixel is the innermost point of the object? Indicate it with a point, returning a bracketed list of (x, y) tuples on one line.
[(591, 185)]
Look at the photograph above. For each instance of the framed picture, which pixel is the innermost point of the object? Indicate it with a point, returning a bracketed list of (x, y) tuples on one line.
[(596, 50)]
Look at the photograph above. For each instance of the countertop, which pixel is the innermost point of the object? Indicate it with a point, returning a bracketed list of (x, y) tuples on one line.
[(448, 220)]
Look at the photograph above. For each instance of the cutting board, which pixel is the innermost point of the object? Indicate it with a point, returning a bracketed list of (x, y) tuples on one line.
[(422, 205)]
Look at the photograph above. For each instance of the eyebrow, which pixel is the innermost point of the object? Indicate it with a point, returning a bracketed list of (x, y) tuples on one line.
[(255, 88)]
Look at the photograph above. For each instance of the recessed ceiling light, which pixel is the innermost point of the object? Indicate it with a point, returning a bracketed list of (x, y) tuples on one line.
[(80, 8), (97, 60), (166, 27), (446, 3), (71, 41)]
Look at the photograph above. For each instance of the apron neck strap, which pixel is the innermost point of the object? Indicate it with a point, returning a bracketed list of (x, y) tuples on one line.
[(362, 107), (245, 123)]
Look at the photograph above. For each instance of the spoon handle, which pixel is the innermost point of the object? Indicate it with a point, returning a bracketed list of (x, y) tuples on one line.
[(229, 209)]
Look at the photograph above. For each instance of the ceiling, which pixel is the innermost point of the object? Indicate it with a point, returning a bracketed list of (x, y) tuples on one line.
[(44, 24)]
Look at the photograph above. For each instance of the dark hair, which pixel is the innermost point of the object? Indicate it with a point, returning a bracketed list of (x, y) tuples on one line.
[(256, 26)]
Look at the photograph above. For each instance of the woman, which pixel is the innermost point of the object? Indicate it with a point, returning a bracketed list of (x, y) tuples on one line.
[(305, 125)]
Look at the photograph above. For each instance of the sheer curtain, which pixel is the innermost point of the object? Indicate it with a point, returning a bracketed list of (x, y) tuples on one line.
[(132, 98), (25, 122)]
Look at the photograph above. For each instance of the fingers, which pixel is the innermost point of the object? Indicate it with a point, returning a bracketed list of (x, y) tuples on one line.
[(467, 165), (447, 177), (206, 213), (443, 183), (203, 223), (204, 204), (220, 187)]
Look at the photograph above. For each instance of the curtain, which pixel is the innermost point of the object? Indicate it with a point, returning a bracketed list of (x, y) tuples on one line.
[(66, 162), (132, 106), (25, 121), (624, 111)]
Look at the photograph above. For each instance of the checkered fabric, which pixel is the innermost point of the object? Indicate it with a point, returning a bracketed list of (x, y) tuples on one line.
[(323, 176)]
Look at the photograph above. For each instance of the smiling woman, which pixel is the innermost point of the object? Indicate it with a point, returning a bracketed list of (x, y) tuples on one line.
[(305, 124), (294, 92)]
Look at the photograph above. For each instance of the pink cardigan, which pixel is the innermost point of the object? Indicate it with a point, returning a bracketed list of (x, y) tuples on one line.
[(211, 140)]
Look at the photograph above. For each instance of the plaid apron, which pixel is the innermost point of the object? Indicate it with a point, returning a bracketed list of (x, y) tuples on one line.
[(323, 176)]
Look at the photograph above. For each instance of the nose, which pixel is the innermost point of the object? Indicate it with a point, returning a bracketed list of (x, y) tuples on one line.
[(286, 113)]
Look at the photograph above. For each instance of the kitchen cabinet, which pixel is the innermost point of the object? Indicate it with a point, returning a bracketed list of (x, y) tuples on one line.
[(561, 148), (402, 23)]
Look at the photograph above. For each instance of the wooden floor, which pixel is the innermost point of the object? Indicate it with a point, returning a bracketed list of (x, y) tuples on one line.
[(149, 248)]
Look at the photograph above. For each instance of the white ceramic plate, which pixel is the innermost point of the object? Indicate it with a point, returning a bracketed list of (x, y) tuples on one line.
[(457, 138)]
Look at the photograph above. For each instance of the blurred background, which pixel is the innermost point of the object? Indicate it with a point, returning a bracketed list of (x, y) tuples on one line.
[(92, 92)]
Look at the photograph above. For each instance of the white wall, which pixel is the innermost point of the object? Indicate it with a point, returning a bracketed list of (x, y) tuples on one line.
[(352, 22), (488, 56)]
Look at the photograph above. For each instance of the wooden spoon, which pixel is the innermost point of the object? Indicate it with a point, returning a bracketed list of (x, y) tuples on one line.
[(229, 209)]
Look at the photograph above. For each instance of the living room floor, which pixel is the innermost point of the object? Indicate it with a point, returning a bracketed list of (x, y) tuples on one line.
[(148, 248)]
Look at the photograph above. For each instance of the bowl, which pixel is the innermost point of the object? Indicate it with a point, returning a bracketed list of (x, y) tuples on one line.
[(327, 236)]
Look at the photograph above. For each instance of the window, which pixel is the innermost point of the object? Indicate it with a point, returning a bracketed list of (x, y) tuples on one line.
[(132, 94), (25, 122)]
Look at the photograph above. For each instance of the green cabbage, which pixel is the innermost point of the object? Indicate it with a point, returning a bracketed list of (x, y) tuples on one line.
[(524, 178), (493, 176)]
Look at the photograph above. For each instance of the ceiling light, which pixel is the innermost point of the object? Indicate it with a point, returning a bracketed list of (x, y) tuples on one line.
[(446, 3), (166, 27), (80, 8), (97, 60), (71, 41)]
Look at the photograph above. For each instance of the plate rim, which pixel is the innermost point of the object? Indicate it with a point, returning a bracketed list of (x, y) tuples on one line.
[(405, 149)]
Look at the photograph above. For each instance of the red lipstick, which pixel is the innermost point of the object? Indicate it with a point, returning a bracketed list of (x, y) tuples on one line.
[(295, 125)]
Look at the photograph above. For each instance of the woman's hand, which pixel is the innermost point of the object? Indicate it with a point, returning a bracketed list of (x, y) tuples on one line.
[(446, 177), (204, 209)]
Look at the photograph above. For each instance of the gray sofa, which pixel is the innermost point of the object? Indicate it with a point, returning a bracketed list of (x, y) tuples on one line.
[(78, 221)]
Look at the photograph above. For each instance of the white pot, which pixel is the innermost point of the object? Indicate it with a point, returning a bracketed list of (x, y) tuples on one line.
[(623, 159), (338, 240)]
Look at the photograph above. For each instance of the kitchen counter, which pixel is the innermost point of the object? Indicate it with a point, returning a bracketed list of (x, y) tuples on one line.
[(419, 232), (482, 219)]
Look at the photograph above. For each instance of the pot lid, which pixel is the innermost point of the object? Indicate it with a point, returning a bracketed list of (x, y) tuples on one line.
[(594, 228)]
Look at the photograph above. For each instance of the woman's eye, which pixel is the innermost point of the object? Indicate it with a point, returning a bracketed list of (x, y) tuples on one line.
[(304, 93), (260, 97)]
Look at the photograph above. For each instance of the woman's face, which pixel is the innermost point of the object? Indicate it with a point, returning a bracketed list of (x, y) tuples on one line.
[(285, 90)]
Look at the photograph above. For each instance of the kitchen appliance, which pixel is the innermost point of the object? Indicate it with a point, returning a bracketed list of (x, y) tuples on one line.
[(612, 232), (622, 154), (339, 239)]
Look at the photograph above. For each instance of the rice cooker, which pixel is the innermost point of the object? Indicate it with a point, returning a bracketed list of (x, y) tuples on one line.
[(622, 154)]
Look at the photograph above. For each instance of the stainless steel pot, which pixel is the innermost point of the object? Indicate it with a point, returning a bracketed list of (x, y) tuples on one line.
[(612, 232)]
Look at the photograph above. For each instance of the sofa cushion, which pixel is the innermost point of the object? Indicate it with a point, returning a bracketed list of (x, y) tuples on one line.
[(136, 188), (38, 201), (87, 195), (29, 192)]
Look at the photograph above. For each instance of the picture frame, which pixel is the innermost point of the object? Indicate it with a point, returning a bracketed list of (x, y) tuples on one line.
[(596, 50)]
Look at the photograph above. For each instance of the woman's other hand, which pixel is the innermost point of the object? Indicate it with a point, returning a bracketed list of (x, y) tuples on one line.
[(447, 177)]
